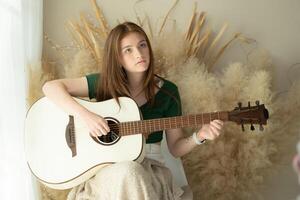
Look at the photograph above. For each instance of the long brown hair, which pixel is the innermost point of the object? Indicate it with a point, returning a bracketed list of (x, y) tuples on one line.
[(114, 82)]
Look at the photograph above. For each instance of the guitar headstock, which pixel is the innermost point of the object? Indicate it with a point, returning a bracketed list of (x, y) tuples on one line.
[(257, 114)]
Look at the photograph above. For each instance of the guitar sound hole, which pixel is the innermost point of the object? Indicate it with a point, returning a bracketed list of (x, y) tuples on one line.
[(112, 136)]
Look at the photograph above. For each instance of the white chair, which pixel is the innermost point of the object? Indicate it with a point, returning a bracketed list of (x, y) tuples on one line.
[(175, 165)]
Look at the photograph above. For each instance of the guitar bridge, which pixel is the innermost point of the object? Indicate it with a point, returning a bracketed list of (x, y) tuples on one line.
[(70, 136)]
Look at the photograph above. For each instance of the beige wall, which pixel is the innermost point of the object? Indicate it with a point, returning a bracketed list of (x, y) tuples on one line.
[(275, 24)]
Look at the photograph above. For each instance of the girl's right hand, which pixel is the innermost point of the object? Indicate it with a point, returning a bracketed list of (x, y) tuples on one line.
[(96, 124)]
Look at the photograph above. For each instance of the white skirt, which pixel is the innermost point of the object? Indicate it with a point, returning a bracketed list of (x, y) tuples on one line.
[(131, 180)]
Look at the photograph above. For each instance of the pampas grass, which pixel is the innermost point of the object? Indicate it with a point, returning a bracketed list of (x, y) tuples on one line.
[(234, 162), (82, 64), (237, 163)]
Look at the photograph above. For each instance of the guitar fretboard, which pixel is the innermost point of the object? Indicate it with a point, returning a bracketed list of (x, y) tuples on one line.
[(152, 125)]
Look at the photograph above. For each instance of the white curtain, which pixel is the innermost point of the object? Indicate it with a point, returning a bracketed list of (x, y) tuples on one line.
[(20, 46)]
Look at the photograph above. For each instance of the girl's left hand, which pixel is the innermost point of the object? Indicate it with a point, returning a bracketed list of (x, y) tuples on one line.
[(210, 131)]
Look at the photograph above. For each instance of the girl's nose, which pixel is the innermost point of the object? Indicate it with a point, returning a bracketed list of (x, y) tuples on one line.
[(138, 53)]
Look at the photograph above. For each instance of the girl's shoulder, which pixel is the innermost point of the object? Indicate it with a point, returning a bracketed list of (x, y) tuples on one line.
[(92, 81), (166, 84), (93, 76)]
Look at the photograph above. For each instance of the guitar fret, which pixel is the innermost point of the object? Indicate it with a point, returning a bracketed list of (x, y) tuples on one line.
[(149, 126), (144, 128), (158, 124), (134, 128), (138, 127), (129, 127), (153, 126), (167, 123), (124, 128)]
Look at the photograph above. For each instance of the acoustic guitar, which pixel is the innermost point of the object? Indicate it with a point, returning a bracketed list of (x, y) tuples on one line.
[(62, 154)]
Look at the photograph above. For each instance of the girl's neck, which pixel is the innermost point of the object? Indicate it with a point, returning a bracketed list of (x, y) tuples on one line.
[(136, 82)]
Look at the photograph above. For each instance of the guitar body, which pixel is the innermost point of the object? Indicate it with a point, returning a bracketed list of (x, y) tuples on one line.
[(59, 166)]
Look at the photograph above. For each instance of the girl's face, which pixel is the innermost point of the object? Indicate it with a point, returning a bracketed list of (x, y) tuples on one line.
[(135, 57)]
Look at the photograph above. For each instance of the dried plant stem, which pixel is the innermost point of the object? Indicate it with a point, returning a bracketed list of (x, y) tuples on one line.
[(221, 51), (71, 29), (104, 27), (198, 25), (95, 46), (165, 19), (189, 31), (85, 40), (217, 38), (203, 40)]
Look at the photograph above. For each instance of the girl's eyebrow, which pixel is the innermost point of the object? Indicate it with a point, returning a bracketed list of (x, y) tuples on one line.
[(131, 45), (142, 41), (127, 46)]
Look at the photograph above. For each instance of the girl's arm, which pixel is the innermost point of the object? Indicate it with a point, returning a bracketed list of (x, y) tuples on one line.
[(179, 145), (61, 91)]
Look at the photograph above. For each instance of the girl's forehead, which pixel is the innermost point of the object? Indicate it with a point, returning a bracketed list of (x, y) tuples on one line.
[(132, 37)]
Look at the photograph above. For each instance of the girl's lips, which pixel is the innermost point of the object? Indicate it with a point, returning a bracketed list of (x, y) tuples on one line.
[(141, 61)]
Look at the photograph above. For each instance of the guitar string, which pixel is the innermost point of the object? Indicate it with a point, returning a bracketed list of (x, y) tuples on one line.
[(130, 127), (158, 122), (141, 126)]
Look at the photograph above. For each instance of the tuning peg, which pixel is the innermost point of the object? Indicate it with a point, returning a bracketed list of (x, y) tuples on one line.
[(240, 105), (248, 104), (257, 102), (243, 128), (261, 128), (252, 127)]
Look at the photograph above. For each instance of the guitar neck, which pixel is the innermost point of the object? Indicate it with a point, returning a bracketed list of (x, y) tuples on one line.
[(147, 126)]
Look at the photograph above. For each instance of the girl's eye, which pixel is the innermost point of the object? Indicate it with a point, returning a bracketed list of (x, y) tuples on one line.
[(144, 44), (127, 50)]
